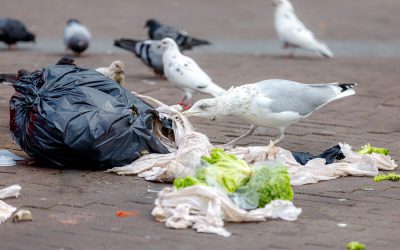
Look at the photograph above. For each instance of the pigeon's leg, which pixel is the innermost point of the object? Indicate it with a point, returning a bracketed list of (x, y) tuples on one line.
[(280, 138), (12, 46), (159, 74), (248, 133), (291, 53)]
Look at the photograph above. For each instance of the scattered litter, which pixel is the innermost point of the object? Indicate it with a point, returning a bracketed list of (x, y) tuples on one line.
[(354, 245), (330, 155), (342, 225), (368, 149), (22, 215), (205, 208), (43, 199), (148, 82), (367, 189), (11, 191), (11, 155), (154, 190), (7, 161), (387, 177), (5, 211), (126, 213), (341, 199)]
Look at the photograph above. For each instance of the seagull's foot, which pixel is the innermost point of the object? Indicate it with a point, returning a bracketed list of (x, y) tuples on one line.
[(186, 107)]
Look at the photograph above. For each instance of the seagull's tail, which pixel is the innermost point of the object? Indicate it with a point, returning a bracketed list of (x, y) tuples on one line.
[(325, 51), (214, 90), (346, 89), (127, 44), (195, 42)]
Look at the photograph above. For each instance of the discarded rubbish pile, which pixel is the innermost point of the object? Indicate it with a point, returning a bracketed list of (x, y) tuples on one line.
[(73, 117), (254, 187)]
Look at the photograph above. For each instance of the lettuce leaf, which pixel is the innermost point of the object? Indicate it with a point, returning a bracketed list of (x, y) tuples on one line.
[(368, 149), (354, 245), (387, 177), (188, 181), (223, 170), (269, 183)]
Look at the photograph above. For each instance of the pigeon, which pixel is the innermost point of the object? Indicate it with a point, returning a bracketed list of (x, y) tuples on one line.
[(148, 51), (293, 33), (13, 31), (157, 31), (76, 36), (183, 72), (66, 60), (115, 71), (271, 103)]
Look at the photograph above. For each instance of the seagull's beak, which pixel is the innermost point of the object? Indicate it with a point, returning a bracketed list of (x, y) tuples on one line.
[(188, 113)]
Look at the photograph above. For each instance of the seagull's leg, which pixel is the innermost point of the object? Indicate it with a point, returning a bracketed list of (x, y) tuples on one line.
[(248, 133), (280, 138), (291, 53)]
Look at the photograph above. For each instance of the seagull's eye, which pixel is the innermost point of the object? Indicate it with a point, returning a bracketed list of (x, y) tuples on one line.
[(203, 107)]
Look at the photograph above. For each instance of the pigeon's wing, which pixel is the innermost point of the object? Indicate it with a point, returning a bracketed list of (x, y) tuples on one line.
[(187, 74), (13, 28), (167, 31), (296, 97), (292, 31)]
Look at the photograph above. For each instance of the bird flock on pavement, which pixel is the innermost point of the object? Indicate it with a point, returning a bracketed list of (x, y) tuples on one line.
[(269, 103)]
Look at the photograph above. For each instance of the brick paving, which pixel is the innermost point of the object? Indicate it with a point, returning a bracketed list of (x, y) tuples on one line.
[(75, 209)]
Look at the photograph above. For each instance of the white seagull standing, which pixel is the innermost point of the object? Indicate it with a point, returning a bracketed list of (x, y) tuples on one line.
[(293, 33), (271, 103), (185, 73)]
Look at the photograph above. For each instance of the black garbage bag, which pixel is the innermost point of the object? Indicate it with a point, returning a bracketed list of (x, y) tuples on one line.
[(74, 117), (330, 155)]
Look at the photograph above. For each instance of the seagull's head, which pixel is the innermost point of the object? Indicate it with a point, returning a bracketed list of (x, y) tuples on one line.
[(167, 43), (204, 108), (117, 66), (152, 23)]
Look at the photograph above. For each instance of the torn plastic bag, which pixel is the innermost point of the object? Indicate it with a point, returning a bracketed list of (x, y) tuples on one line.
[(74, 117), (330, 155)]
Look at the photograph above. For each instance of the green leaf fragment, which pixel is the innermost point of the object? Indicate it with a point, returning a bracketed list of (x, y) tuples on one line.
[(354, 245), (368, 149), (387, 177)]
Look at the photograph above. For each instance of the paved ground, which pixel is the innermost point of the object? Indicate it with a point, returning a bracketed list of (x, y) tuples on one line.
[(76, 209)]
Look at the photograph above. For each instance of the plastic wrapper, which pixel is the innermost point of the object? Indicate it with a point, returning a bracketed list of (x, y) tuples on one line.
[(74, 117)]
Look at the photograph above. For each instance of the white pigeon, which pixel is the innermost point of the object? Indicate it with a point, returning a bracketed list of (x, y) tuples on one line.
[(148, 51), (271, 103), (76, 36), (115, 71), (293, 33), (185, 73)]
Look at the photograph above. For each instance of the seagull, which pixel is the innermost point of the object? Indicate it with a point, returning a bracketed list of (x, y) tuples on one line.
[(13, 31), (76, 36), (271, 103), (115, 71), (185, 73), (157, 31), (148, 51), (293, 33)]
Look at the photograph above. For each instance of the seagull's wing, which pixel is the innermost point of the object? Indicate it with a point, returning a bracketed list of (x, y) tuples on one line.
[(289, 96), (186, 73)]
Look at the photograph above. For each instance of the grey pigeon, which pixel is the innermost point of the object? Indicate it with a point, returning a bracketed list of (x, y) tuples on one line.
[(271, 103), (13, 31), (157, 31), (149, 52), (76, 36)]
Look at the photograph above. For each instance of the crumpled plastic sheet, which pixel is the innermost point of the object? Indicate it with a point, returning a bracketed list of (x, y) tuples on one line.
[(205, 208), (6, 210)]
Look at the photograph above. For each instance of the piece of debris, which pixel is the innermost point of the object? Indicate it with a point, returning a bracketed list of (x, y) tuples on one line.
[(387, 177), (127, 213), (5, 211), (6, 161), (342, 225), (13, 156), (354, 245), (11, 191), (22, 215)]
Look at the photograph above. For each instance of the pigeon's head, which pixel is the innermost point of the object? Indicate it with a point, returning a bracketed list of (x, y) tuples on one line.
[(66, 60), (117, 66), (204, 108), (168, 43), (152, 23), (281, 3), (29, 37), (72, 20)]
